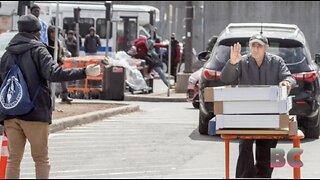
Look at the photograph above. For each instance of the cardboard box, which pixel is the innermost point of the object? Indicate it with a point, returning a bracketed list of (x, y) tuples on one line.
[(293, 127), (253, 107), (245, 93), (253, 121)]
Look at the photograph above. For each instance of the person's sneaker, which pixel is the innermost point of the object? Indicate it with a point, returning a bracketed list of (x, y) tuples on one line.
[(66, 100)]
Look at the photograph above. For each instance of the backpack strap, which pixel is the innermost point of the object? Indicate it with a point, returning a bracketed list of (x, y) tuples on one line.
[(14, 57)]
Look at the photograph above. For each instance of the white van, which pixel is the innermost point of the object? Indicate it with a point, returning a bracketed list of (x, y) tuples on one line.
[(127, 23)]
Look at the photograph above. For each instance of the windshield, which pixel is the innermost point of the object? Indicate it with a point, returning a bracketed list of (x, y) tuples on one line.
[(293, 53)]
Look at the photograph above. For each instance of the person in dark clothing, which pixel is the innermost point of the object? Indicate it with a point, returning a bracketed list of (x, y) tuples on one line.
[(71, 43), (38, 68), (256, 68), (61, 53), (91, 43), (175, 56)]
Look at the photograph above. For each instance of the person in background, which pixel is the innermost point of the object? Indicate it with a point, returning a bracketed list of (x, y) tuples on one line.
[(92, 42), (156, 64), (35, 10), (71, 43), (61, 56), (175, 56)]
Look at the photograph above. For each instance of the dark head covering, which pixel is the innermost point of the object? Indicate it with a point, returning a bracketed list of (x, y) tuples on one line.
[(34, 6), (259, 38), (51, 29), (71, 32), (29, 23)]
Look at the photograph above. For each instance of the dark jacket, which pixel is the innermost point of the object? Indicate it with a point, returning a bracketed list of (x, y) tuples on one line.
[(72, 46), (272, 71), (51, 48), (38, 67), (175, 52), (92, 43)]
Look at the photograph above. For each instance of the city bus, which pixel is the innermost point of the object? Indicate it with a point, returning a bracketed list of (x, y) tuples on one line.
[(127, 21)]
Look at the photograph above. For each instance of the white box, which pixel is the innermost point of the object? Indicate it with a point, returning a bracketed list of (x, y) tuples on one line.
[(253, 121), (253, 107), (245, 93)]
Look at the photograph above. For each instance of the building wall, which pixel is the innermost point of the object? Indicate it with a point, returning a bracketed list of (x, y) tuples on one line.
[(216, 15)]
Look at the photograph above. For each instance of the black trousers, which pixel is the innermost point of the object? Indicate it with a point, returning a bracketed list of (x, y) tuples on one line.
[(246, 168), (64, 92)]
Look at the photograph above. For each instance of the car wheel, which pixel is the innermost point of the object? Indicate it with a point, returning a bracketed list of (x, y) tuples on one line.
[(196, 105), (313, 131), (203, 123)]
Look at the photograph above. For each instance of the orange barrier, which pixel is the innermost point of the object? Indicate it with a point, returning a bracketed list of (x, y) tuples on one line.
[(295, 141), (4, 157)]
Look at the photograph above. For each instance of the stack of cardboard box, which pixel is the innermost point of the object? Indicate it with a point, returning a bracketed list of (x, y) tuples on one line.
[(252, 109)]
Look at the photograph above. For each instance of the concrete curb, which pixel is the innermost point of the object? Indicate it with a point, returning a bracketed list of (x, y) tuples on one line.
[(63, 123), (154, 98)]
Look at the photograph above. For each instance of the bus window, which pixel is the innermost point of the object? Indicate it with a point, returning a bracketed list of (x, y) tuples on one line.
[(101, 28), (126, 33), (84, 25)]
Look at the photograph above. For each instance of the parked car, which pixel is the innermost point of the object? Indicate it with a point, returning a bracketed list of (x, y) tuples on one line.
[(5, 39), (193, 88), (285, 40), (193, 81)]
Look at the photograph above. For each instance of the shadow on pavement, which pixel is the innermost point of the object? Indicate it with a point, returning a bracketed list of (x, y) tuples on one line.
[(195, 135)]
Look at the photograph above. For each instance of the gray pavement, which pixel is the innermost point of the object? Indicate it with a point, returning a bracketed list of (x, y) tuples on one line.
[(159, 141), (160, 94)]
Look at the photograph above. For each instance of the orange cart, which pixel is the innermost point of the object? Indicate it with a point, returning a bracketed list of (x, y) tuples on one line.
[(83, 85), (295, 141)]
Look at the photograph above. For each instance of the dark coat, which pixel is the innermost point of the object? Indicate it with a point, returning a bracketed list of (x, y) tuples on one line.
[(92, 43), (38, 68)]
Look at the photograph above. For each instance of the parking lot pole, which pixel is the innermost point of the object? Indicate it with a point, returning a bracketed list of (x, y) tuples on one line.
[(169, 53), (76, 12), (53, 88), (108, 5), (188, 45)]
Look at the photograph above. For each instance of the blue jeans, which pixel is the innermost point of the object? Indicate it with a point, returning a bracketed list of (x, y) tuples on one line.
[(157, 66), (159, 70)]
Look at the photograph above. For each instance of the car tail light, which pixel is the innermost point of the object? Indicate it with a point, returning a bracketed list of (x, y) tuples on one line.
[(211, 74), (306, 76), (300, 102)]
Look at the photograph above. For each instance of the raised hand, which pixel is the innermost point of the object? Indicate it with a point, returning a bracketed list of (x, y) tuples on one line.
[(235, 55)]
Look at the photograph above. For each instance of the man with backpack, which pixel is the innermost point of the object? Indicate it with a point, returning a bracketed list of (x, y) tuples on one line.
[(37, 68)]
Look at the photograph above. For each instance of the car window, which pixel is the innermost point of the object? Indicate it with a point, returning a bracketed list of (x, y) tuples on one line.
[(292, 52)]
